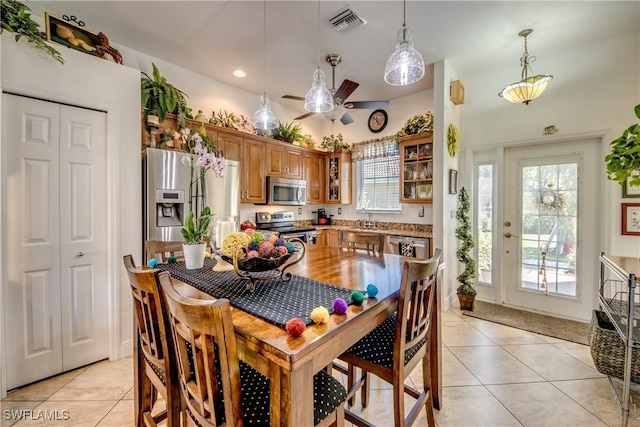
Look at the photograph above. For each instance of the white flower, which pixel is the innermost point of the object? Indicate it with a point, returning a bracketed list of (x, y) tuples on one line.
[(186, 160), (196, 138)]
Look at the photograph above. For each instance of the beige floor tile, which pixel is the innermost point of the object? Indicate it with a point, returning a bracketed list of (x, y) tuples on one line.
[(380, 409), (454, 373), (549, 339), (552, 363), (450, 316), (13, 411), (77, 413), (120, 416), (595, 396), (541, 404), (455, 334), (579, 351), (472, 406), (129, 395), (493, 365), (42, 390), (505, 335), (102, 381)]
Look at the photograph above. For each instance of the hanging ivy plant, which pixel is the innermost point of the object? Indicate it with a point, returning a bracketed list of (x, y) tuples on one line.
[(16, 18), (623, 162)]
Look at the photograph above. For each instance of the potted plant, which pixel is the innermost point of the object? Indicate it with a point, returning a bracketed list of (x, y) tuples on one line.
[(333, 143), (420, 123), (623, 162), (289, 132), (466, 292), (200, 158), (160, 97)]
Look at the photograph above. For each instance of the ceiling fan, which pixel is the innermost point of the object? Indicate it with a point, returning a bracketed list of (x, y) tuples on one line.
[(340, 95)]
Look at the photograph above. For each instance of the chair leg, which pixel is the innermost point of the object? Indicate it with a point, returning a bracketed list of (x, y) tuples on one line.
[(426, 381), (364, 393), (398, 400), (351, 380)]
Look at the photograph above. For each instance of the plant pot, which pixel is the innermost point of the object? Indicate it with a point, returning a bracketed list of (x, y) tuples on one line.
[(466, 301), (194, 255)]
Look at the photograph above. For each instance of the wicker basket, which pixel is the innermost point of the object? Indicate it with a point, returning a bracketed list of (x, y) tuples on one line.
[(608, 348)]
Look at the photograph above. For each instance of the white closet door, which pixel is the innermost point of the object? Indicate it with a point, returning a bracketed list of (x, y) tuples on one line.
[(83, 237), (55, 312)]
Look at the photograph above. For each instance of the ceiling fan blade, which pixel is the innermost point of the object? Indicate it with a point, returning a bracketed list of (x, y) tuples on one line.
[(304, 116), (297, 98), (346, 119), (373, 105), (346, 88)]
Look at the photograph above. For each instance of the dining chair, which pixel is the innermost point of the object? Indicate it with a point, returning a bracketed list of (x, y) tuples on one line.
[(363, 240), (216, 387), (154, 369), (395, 347), (161, 250)]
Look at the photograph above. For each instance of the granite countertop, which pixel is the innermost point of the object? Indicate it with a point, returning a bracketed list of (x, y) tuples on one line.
[(391, 231)]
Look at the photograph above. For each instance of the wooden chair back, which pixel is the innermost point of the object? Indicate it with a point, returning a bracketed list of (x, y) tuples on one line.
[(205, 348), (153, 348), (363, 240), (161, 250)]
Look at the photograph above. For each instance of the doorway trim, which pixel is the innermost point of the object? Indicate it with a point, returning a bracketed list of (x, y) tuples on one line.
[(499, 174)]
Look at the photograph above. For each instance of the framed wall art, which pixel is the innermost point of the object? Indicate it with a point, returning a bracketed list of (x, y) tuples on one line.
[(629, 191), (453, 181), (631, 219)]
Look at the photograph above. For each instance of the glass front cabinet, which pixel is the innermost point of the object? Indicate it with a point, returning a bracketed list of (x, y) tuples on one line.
[(339, 177), (416, 169)]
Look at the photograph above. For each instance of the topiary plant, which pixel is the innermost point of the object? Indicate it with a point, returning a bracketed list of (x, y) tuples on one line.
[(16, 18), (464, 235), (623, 162)]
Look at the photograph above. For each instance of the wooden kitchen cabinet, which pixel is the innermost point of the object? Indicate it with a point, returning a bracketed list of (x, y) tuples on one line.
[(284, 161), (230, 144), (332, 238), (338, 189), (321, 238), (253, 177), (416, 169), (313, 173)]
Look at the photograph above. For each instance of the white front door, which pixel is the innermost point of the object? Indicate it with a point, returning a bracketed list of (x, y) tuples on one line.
[(551, 227), (55, 284)]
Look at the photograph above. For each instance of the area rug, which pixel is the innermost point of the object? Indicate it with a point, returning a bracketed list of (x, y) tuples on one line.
[(568, 330)]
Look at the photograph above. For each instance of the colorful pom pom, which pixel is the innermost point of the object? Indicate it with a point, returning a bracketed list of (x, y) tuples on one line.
[(282, 250), (279, 242), (356, 297), (266, 250), (295, 327), (372, 290), (290, 247), (253, 254), (339, 306), (172, 259), (153, 262), (253, 246), (250, 231), (272, 239), (257, 237), (320, 315)]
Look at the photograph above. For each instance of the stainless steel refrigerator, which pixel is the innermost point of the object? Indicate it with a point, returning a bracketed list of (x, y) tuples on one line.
[(165, 181)]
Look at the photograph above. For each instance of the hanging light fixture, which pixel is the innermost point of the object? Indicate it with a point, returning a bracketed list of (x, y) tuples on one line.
[(529, 88), (264, 118), (405, 65), (319, 99)]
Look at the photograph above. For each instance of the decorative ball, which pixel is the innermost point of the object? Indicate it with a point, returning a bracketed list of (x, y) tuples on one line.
[(320, 315), (272, 239), (250, 231), (253, 246), (356, 297), (290, 247), (282, 251), (153, 262), (279, 242), (295, 327), (339, 306), (172, 259), (372, 290), (253, 254), (234, 241), (266, 249), (257, 237)]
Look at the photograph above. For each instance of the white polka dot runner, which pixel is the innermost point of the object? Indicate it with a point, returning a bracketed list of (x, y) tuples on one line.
[(273, 300)]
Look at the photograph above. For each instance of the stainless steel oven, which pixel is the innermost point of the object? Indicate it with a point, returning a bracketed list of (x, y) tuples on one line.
[(286, 191), (283, 224)]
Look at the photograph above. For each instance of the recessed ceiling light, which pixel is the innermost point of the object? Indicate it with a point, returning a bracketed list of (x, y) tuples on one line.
[(239, 73)]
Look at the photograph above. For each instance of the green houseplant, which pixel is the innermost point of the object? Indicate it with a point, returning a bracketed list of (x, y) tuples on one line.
[(623, 162), (289, 132), (161, 97), (466, 292), (16, 18)]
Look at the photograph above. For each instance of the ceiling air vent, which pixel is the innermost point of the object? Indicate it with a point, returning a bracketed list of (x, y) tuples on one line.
[(346, 19)]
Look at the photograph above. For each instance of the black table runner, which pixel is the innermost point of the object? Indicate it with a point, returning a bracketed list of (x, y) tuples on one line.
[(273, 300)]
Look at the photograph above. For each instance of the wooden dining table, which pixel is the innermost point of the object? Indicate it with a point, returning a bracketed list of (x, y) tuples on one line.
[(290, 363)]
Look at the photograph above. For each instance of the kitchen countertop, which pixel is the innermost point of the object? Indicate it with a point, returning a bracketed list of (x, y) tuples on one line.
[(391, 231)]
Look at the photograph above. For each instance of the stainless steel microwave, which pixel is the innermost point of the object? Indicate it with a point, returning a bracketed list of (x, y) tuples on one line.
[(286, 191)]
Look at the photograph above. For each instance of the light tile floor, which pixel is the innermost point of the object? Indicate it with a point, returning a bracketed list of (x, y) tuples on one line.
[(493, 375)]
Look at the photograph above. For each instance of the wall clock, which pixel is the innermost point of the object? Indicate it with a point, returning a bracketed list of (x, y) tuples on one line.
[(378, 121)]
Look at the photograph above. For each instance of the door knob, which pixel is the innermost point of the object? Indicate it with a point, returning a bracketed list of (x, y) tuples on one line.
[(80, 253), (508, 235)]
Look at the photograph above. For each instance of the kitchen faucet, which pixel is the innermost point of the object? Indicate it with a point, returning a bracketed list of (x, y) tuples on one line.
[(370, 223)]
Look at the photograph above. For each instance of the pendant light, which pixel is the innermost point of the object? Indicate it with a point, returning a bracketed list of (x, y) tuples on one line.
[(405, 65), (264, 118), (529, 88), (319, 99)]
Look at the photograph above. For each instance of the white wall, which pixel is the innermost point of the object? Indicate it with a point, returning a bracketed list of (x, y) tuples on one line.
[(594, 90)]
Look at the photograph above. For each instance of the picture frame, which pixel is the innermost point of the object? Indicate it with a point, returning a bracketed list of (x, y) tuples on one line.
[(453, 181), (631, 219), (630, 191), (68, 34)]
